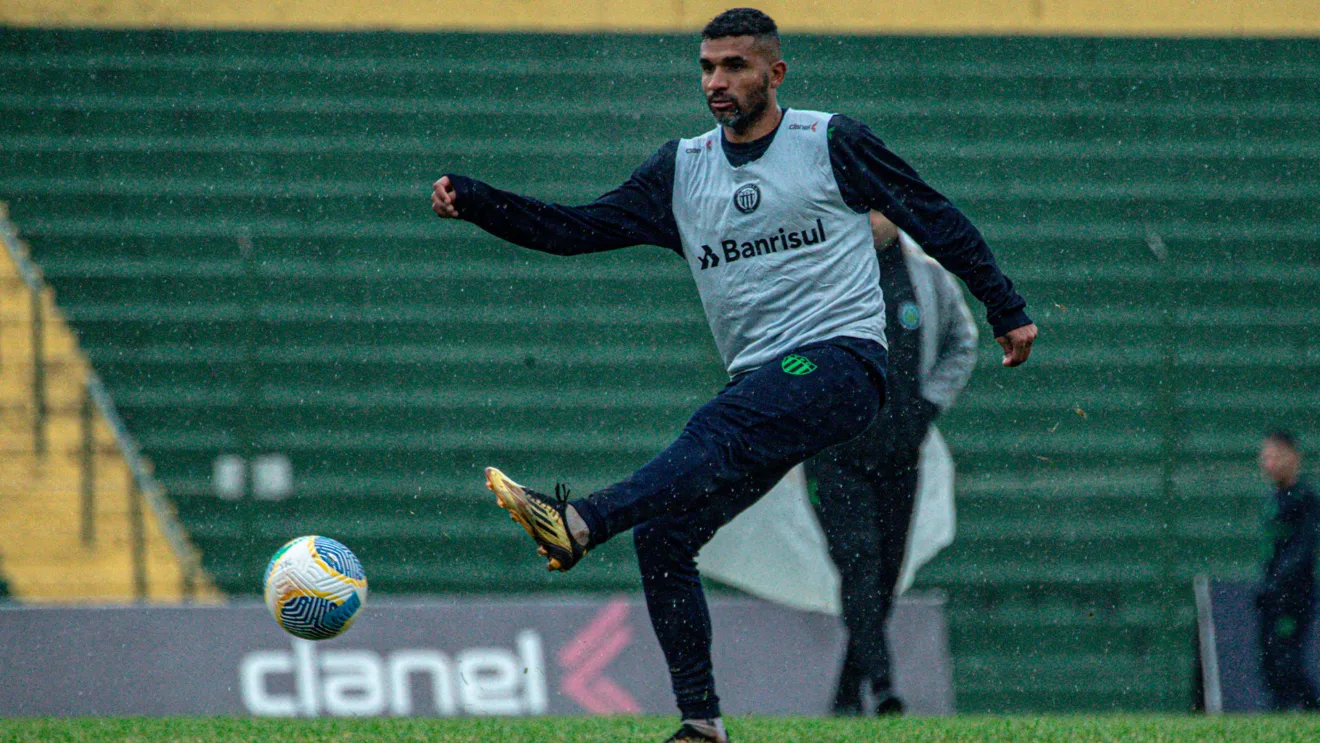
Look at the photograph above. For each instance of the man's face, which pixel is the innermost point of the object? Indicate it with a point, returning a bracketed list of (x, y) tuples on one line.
[(1278, 463), (737, 75)]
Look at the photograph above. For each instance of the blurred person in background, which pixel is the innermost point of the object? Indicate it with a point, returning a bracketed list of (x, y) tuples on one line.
[(865, 489), (1287, 596)]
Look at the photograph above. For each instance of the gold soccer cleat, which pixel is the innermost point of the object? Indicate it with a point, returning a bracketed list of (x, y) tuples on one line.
[(541, 515)]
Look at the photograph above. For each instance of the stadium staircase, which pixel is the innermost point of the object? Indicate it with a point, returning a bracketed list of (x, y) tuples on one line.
[(45, 554), (238, 226)]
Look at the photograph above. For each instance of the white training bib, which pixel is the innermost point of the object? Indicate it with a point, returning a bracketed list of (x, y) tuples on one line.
[(779, 259)]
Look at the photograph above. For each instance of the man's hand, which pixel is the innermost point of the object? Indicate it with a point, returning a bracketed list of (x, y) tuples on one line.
[(442, 199), (1017, 344)]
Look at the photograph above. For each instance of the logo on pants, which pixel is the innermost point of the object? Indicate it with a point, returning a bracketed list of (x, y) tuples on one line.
[(797, 365)]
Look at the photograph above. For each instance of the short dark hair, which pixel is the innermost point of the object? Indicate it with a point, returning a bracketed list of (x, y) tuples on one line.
[(741, 22), (1283, 437)]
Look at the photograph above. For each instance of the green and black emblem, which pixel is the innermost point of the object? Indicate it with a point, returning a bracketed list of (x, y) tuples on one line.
[(797, 365), (909, 315)]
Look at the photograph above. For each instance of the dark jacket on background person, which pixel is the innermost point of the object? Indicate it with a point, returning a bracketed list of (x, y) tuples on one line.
[(1293, 526), (1287, 597)]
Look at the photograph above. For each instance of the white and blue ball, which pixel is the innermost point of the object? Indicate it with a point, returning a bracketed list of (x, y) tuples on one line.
[(315, 587)]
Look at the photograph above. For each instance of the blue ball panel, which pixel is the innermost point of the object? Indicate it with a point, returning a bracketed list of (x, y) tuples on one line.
[(313, 618), (340, 558)]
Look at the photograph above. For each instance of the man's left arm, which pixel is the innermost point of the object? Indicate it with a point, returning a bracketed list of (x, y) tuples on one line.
[(872, 177)]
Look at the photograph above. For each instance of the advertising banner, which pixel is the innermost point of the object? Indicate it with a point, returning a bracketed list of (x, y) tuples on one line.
[(531, 656)]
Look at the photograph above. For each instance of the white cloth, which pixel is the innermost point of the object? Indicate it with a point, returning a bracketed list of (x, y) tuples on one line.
[(776, 549)]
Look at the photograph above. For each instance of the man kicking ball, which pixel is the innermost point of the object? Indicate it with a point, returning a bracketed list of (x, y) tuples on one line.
[(770, 211)]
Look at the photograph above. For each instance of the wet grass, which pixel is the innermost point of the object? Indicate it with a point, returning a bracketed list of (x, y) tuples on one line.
[(1017, 729)]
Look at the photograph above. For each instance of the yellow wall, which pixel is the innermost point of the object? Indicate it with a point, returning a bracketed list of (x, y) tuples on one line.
[(1099, 17)]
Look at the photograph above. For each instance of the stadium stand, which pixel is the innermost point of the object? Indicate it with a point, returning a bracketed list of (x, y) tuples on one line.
[(237, 226), (50, 554), (1225, 18)]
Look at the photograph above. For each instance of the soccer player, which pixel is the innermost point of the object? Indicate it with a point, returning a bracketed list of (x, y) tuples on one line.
[(865, 489), (770, 212), (1287, 594)]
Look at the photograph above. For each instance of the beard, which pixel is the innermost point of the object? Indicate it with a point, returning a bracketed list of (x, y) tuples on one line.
[(745, 112)]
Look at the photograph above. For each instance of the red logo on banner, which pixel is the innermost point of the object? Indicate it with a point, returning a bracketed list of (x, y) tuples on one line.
[(585, 657)]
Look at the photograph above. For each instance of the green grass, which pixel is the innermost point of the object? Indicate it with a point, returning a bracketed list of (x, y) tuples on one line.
[(1119, 729)]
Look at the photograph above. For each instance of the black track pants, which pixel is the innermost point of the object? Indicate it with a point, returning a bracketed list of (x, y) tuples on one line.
[(732, 451)]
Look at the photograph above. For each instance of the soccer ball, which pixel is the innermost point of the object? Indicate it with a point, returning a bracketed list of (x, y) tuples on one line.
[(315, 587)]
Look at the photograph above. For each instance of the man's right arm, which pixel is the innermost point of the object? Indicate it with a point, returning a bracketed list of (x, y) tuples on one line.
[(870, 176), (639, 212)]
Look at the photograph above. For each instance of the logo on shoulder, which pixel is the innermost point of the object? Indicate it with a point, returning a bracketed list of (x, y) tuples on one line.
[(796, 127), (909, 315), (697, 150), (747, 198)]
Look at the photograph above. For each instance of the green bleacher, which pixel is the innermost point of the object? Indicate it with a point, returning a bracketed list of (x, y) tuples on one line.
[(238, 226)]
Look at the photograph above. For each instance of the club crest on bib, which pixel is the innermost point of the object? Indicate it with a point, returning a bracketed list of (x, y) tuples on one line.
[(747, 198)]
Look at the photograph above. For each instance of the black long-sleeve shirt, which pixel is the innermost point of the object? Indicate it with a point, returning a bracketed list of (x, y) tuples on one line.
[(1294, 529), (639, 212)]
